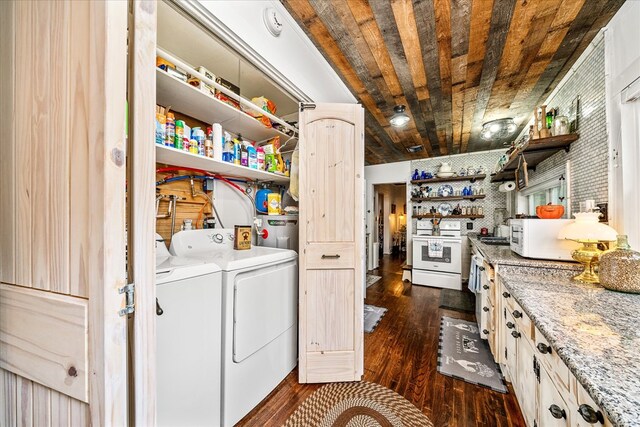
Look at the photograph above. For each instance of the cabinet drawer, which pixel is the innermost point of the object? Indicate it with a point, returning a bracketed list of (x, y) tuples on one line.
[(330, 255), (525, 326), (558, 371)]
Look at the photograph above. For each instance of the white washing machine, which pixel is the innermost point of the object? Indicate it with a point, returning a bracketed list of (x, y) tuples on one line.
[(189, 340), (260, 315)]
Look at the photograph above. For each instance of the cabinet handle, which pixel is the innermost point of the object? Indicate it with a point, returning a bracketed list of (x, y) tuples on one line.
[(485, 287), (510, 325), (590, 415), (506, 294), (517, 314), (486, 332), (481, 268), (336, 256), (485, 309), (557, 412), (159, 310), (543, 348), (516, 334)]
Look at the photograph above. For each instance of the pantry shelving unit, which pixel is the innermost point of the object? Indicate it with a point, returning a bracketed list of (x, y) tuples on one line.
[(189, 100), (175, 157), (448, 198), (471, 178)]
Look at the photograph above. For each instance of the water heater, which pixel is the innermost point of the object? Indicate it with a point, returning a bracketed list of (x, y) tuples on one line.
[(280, 231)]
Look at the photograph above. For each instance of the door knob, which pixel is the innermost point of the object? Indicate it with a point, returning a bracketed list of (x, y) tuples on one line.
[(159, 310), (485, 287), (506, 294), (516, 334), (486, 332), (485, 309), (557, 412), (517, 314), (510, 325), (543, 348), (590, 415)]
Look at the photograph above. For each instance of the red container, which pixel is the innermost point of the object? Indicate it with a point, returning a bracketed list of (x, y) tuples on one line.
[(484, 231)]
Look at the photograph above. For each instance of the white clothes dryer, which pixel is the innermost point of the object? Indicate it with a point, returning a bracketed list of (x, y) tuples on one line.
[(189, 340), (260, 321)]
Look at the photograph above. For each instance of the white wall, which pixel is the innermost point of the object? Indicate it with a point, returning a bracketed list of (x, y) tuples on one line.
[(622, 65), (292, 53)]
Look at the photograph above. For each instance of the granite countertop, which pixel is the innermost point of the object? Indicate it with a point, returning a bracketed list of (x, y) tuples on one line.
[(503, 255), (594, 331)]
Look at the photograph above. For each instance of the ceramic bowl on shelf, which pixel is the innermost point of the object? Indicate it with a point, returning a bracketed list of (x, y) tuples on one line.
[(445, 174)]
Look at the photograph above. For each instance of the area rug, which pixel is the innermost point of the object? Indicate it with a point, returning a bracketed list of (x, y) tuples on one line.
[(372, 316), (372, 279), (457, 300), (464, 355), (354, 405)]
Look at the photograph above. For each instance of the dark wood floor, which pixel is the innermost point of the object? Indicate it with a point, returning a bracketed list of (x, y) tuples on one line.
[(402, 354)]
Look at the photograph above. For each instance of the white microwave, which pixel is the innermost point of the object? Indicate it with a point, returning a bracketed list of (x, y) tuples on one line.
[(538, 238)]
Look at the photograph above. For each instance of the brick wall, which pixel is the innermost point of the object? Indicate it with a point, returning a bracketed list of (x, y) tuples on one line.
[(589, 154)]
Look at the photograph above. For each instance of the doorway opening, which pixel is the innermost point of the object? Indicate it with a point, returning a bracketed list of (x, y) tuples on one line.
[(390, 233)]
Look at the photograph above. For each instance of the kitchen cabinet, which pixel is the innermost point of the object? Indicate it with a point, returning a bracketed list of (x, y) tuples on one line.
[(548, 394), (553, 410), (526, 379)]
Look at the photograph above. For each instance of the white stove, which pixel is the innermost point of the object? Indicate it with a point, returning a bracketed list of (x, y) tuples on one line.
[(437, 260)]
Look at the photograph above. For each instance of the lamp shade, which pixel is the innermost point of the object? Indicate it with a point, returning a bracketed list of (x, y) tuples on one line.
[(587, 227)]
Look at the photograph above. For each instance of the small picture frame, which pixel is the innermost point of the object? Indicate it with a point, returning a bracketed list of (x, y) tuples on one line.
[(393, 208)]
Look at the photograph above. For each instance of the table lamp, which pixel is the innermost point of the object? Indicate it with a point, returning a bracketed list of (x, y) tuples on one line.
[(588, 230)]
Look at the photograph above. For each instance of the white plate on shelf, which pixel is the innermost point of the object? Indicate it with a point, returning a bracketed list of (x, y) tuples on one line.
[(444, 209)]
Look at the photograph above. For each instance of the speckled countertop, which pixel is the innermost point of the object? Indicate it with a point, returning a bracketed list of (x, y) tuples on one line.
[(596, 333), (503, 255)]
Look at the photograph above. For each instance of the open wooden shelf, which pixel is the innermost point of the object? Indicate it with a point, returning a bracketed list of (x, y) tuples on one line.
[(429, 216), (471, 178), (174, 157), (180, 96), (437, 199), (535, 151)]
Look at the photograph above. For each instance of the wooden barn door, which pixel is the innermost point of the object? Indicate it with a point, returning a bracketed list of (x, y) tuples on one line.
[(62, 213), (331, 242)]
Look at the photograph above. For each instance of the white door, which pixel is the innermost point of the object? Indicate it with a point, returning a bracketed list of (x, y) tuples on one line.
[(62, 234), (331, 242)]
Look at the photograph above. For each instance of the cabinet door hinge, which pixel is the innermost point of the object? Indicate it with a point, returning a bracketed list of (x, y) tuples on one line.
[(536, 368), (505, 352), (129, 291)]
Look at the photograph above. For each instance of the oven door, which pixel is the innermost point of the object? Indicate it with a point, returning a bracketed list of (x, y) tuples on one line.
[(449, 262)]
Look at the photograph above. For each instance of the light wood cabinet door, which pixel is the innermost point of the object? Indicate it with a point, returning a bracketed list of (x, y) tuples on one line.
[(527, 382), (553, 411), (331, 242), (511, 346), (62, 235)]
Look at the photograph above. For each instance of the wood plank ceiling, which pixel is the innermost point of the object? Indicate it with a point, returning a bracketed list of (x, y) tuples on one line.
[(454, 64)]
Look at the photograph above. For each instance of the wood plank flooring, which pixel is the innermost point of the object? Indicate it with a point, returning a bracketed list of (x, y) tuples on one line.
[(401, 354)]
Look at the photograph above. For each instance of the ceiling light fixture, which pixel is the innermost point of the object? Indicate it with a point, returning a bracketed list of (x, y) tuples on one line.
[(400, 118), (415, 149), (498, 129)]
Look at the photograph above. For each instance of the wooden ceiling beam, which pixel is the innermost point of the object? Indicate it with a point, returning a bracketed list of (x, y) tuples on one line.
[(500, 22), (388, 31), (424, 13), (442, 10)]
